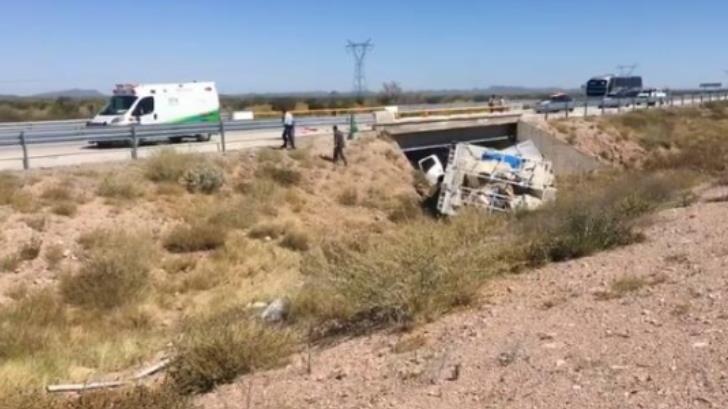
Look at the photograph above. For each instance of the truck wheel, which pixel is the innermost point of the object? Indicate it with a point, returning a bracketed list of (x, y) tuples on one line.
[(175, 139), (203, 138)]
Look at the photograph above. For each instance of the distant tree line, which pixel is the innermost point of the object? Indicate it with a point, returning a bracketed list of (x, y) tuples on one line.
[(391, 93)]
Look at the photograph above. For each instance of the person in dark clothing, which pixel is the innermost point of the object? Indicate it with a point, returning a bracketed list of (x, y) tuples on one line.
[(289, 131), (339, 144)]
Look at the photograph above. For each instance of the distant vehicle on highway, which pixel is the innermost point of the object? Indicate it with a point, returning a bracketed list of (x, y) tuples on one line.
[(611, 85), (556, 103), (651, 97), (622, 98), (157, 104)]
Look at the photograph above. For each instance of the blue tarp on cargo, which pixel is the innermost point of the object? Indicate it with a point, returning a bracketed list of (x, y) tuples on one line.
[(514, 162)]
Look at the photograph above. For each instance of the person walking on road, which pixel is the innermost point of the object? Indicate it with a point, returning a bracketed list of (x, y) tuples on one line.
[(339, 144), (289, 131)]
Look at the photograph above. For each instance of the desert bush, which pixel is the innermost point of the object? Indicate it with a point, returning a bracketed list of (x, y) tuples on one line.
[(194, 237), (233, 214), (120, 187), (29, 324), (215, 350), (114, 273), (30, 250), (422, 271), (296, 240), (405, 208), (9, 185), (67, 209), (269, 230), (27, 252), (53, 256), (161, 397), (58, 193), (284, 176), (582, 222), (204, 178), (348, 197), (37, 223), (167, 165), (269, 156)]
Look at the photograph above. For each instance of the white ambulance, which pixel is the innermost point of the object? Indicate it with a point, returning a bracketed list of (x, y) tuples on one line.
[(158, 104)]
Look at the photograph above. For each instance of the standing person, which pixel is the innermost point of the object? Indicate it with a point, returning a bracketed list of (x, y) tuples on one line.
[(289, 131), (339, 144)]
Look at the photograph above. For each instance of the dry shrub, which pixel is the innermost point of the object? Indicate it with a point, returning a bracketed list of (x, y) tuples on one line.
[(27, 252), (296, 240), (405, 208), (268, 230), (9, 185), (627, 284), (204, 178), (133, 398), (67, 209), (167, 165), (423, 270), (115, 272), (349, 197), (269, 156), (587, 220), (37, 223), (53, 256), (121, 187), (284, 176), (216, 350), (194, 237), (58, 193), (29, 324)]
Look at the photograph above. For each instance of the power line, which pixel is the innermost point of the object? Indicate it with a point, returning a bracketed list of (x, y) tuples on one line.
[(359, 51), (625, 70)]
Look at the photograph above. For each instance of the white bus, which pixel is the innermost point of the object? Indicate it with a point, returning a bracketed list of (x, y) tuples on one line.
[(153, 104)]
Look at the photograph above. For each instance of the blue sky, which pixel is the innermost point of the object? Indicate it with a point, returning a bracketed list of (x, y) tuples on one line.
[(284, 45)]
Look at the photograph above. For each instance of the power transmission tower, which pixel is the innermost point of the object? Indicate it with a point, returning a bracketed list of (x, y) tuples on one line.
[(626, 70), (359, 51)]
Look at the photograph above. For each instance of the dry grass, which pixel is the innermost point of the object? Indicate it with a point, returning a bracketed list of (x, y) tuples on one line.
[(194, 237), (131, 398), (36, 222), (114, 274), (215, 350), (687, 138), (282, 175), (296, 240), (65, 208), (626, 285), (27, 252), (121, 187), (586, 220), (168, 165), (53, 256)]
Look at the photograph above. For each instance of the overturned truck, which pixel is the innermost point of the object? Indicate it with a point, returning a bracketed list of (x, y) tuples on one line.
[(496, 180)]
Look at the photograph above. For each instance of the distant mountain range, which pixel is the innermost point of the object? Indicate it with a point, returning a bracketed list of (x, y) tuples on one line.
[(78, 93), (75, 93)]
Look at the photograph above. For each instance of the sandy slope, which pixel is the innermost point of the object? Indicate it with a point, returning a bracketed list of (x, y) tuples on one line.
[(545, 339)]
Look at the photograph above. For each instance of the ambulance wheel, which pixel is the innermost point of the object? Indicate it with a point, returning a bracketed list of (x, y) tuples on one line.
[(175, 139), (203, 137)]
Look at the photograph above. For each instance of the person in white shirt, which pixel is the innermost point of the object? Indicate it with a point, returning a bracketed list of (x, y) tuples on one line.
[(289, 131)]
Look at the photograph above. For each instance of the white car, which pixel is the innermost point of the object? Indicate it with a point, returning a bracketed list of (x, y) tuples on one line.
[(556, 103), (651, 97)]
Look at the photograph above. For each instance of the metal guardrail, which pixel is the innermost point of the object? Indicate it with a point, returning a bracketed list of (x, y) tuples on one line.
[(134, 135)]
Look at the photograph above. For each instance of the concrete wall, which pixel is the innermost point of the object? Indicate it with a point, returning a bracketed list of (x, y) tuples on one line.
[(566, 159)]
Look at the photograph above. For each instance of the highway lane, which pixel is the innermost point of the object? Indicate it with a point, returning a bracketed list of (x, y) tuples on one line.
[(75, 153)]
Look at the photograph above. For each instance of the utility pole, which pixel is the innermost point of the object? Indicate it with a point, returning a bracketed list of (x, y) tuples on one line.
[(359, 51)]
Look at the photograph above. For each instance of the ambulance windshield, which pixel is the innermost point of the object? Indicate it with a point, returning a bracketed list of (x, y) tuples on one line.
[(119, 105)]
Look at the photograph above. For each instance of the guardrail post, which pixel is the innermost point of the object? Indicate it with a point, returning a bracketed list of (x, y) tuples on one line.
[(222, 135), (134, 143), (566, 110), (24, 145), (586, 106), (603, 106)]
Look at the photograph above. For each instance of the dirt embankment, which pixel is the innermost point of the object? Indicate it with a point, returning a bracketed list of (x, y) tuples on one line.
[(642, 326)]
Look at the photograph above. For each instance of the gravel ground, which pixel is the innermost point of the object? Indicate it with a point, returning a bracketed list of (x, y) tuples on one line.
[(559, 337)]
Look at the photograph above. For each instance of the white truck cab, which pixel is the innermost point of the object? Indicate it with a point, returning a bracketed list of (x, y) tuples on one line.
[(152, 104)]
